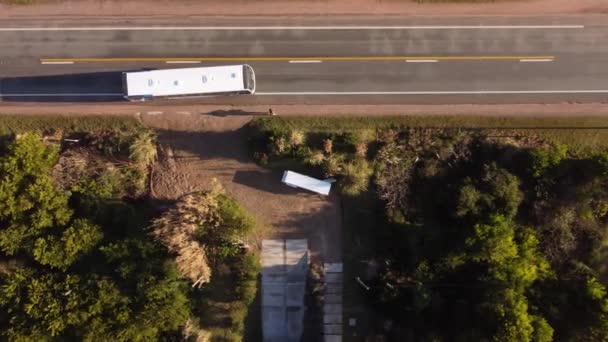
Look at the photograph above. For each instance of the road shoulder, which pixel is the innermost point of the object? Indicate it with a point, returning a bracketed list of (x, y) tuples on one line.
[(189, 8)]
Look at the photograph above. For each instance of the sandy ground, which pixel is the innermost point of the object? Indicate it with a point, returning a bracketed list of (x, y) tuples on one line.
[(195, 148), (190, 8)]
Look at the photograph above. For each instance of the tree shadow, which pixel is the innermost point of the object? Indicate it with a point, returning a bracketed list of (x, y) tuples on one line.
[(253, 320), (259, 180), (208, 145), (321, 226)]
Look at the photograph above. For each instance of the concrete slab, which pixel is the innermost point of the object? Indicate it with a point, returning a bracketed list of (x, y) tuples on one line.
[(332, 329), (332, 318), (333, 289), (283, 289), (274, 323), (333, 267), (295, 294), (274, 278), (335, 278), (268, 244), (273, 300), (273, 252), (332, 338), (298, 266), (332, 298), (295, 324), (272, 261), (332, 308), (272, 247), (295, 247)]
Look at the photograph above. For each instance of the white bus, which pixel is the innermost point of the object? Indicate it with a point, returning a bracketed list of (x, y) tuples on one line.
[(188, 82)]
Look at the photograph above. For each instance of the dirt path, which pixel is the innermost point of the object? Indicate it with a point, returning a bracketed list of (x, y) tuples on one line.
[(138, 8), (197, 148), (178, 110)]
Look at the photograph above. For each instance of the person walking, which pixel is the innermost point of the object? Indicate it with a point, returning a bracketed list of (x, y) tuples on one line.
[(271, 112)]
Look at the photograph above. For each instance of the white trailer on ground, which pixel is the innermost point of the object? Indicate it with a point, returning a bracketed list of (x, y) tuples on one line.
[(297, 180), (189, 82)]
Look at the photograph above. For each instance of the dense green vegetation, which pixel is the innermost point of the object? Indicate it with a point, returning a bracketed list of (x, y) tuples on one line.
[(477, 233), (78, 259)]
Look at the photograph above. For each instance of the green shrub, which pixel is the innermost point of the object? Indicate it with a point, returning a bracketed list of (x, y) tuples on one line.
[(235, 223), (314, 158), (355, 177), (297, 137), (544, 159), (143, 149), (332, 165)]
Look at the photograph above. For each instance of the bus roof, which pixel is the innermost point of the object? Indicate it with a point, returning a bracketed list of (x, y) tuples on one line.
[(298, 180), (186, 81)]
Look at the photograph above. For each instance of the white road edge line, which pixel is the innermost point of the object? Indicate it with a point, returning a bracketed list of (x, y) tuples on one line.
[(63, 62), (421, 61), (312, 93), (265, 28), (68, 94), (306, 61), (474, 92), (537, 60), (183, 62)]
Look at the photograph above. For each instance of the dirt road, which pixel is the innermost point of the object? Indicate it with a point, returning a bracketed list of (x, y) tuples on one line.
[(554, 110), (199, 147)]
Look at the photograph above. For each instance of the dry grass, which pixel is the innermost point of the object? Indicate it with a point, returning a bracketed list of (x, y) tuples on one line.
[(73, 166), (583, 135), (143, 149), (12, 124)]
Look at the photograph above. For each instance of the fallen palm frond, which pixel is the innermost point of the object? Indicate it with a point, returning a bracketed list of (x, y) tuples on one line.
[(176, 230)]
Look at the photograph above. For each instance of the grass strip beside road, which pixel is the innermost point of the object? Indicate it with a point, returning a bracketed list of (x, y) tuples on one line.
[(22, 2), (459, 1), (15, 124), (584, 135)]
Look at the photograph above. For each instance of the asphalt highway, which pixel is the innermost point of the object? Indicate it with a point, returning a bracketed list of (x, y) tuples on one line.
[(318, 61)]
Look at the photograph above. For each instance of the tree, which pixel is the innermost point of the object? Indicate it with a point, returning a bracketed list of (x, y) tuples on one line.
[(29, 202), (546, 158), (493, 243), (495, 192), (139, 305), (61, 251), (468, 201), (543, 332), (513, 264), (34, 213), (48, 305), (509, 308)]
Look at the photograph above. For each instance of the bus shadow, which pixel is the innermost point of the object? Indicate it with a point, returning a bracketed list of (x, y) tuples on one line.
[(83, 87), (233, 112)]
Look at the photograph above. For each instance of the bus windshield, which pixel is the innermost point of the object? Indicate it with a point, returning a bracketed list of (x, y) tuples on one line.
[(249, 78)]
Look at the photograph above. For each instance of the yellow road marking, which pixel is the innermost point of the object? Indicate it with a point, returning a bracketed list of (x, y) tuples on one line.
[(276, 59)]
